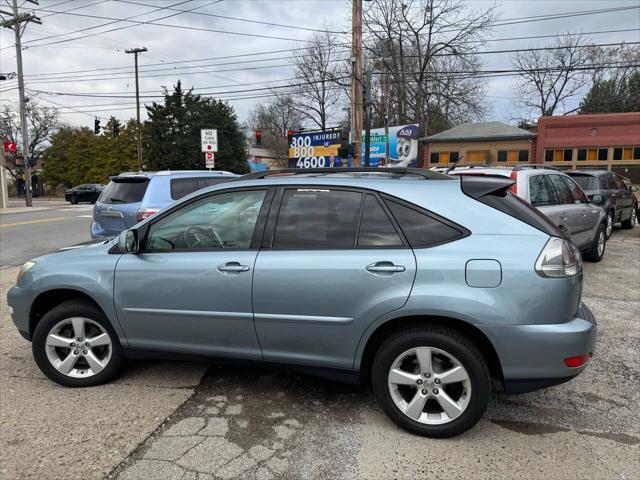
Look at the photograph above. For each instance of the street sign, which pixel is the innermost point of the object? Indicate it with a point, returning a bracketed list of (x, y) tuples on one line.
[(210, 161), (209, 139), (10, 147)]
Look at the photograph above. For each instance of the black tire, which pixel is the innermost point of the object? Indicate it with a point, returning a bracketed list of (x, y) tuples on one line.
[(69, 309), (593, 254), (606, 223), (451, 342), (73, 200), (631, 221)]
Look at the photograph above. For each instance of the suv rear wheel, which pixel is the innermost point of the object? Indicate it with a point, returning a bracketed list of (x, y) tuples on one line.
[(609, 224), (431, 381), (74, 345), (631, 221), (596, 250)]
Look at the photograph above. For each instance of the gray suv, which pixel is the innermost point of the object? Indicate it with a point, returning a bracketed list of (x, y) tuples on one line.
[(433, 288), (561, 199)]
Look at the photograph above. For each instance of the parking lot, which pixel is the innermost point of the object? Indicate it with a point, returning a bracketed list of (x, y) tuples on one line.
[(172, 420)]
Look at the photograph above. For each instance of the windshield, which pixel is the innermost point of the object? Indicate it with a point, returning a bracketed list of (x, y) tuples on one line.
[(586, 182), (124, 192)]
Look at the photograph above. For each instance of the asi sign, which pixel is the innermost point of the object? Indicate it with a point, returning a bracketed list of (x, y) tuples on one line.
[(403, 146), (209, 139)]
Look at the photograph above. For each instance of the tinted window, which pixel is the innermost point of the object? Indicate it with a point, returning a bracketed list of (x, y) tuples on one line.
[(611, 182), (376, 230), (181, 187), (578, 194), (420, 229), (540, 193), (317, 218), (124, 192), (224, 220), (586, 182), (562, 190), (620, 183)]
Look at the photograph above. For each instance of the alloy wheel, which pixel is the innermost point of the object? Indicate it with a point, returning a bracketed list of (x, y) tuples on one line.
[(601, 243), (609, 224), (78, 347), (429, 385)]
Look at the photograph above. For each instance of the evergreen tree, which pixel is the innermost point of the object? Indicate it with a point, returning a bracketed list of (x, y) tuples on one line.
[(172, 133), (607, 96)]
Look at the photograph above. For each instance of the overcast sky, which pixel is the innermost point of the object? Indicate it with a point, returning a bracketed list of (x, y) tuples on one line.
[(68, 44)]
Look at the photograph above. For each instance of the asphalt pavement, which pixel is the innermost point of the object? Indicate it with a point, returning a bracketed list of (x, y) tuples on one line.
[(198, 421), (48, 225)]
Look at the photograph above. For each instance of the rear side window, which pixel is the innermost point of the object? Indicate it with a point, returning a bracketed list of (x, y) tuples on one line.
[(421, 229), (562, 190), (317, 218), (376, 230), (181, 187), (578, 194), (540, 192), (586, 182), (124, 192)]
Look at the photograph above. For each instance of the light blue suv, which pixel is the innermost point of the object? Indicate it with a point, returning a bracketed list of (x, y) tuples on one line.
[(133, 196), (427, 286)]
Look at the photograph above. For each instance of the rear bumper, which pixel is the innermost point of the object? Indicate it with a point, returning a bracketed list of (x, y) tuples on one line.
[(98, 232), (532, 356)]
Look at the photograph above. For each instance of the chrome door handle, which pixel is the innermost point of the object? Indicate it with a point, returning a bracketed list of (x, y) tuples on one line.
[(232, 267), (385, 267)]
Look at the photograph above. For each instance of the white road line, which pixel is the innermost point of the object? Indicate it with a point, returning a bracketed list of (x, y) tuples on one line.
[(84, 216)]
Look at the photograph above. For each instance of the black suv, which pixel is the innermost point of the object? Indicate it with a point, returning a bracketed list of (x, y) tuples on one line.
[(609, 190)]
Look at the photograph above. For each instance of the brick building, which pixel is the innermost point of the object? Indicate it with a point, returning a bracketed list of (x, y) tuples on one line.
[(603, 141)]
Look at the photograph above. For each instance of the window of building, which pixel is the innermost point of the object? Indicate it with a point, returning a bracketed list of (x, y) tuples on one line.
[(623, 153), (592, 154), (317, 218), (479, 156), (603, 153), (548, 155), (582, 154), (502, 155), (523, 155), (636, 153), (558, 155), (444, 157), (568, 155)]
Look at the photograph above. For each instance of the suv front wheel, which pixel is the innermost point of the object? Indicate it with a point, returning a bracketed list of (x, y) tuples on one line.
[(431, 381), (74, 345)]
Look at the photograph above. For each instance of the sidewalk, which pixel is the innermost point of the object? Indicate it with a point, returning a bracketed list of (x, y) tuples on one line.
[(17, 205)]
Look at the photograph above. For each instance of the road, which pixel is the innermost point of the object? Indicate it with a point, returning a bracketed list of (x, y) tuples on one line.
[(26, 235), (197, 421)]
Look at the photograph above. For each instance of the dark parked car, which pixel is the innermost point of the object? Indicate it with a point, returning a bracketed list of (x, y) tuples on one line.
[(83, 193), (610, 191)]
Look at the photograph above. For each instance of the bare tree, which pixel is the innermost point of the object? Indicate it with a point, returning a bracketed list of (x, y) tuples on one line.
[(423, 52), (549, 78), (319, 72), (42, 122), (616, 64), (273, 120)]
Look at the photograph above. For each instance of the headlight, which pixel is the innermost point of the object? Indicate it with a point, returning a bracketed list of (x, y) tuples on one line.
[(559, 258), (24, 269)]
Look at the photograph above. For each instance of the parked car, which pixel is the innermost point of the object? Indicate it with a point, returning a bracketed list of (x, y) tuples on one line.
[(609, 190), (132, 197), (83, 193), (426, 285), (561, 199)]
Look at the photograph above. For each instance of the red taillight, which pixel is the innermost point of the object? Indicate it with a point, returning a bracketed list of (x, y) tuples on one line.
[(514, 188), (578, 361), (144, 213)]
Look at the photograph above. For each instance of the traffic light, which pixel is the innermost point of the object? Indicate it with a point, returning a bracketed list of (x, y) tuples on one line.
[(96, 126), (116, 130), (289, 136), (258, 137)]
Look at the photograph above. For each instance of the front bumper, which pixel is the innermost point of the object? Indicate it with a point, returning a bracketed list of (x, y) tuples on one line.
[(19, 301), (532, 356)]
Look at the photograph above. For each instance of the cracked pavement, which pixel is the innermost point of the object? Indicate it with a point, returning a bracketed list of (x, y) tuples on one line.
[(160, 421)]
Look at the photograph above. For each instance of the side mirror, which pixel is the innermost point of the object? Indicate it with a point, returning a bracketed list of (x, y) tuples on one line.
[(633, 188), (128, 241), (597, 199)]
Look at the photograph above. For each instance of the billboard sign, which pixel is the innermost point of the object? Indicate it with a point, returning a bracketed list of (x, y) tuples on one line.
[(315, 149), (403, 146)]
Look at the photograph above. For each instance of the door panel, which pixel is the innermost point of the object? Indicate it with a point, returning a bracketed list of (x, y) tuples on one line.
[(181, 301), (311, 307)]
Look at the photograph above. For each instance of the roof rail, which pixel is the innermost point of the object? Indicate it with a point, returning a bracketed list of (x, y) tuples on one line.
[(534, 166), (426, 174)]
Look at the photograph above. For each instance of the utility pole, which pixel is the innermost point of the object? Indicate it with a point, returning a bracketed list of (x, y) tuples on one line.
[(135, 52), (367, 120), (15, 21), (356, 79)]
